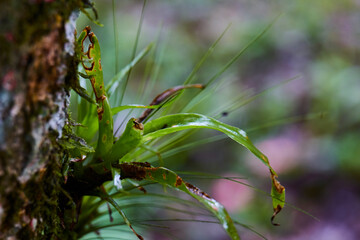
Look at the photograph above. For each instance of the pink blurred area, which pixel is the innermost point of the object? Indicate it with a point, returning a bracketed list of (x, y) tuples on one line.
[(233, 195), (284, 152)]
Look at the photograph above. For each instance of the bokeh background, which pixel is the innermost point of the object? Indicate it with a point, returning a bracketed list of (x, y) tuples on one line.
[(309, 127)]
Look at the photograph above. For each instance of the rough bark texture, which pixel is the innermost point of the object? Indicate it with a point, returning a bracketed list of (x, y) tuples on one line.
[(36, 57)]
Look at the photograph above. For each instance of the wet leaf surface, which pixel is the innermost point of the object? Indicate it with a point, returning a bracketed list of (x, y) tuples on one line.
[(143, 171)]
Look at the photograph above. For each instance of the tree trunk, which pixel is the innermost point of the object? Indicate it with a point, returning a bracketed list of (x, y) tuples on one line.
[(37, 63)]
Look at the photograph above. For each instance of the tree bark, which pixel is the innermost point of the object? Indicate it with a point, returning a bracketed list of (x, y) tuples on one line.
[(37, 62)]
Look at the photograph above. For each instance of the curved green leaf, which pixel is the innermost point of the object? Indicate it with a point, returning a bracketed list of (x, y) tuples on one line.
[(169, 178), (183, 121), (118, 109)]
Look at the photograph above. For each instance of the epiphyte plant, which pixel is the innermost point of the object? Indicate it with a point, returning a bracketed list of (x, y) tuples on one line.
[(88, 168)]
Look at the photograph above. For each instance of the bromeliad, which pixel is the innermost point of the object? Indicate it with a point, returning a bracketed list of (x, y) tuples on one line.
[(112, 155)]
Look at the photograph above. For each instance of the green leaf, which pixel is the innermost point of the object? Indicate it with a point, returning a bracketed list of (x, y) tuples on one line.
[(216, 76), (124, 86), (118, 109), (183, 121), (116, 80), (143, 171), (90, 125), (129, 140)]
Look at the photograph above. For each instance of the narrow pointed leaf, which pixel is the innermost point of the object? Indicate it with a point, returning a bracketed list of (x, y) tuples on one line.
[(183, 121), (116, 80), (118, 109), (124, 86)]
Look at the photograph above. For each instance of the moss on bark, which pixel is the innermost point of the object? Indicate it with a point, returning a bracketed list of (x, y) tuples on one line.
[(33, 98)]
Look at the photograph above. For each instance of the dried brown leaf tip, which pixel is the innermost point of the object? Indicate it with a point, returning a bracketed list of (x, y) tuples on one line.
[(167, 94), (278, 196), (276, 211)]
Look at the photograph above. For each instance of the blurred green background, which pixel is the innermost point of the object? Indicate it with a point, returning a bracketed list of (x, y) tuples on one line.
[(308, 127)]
